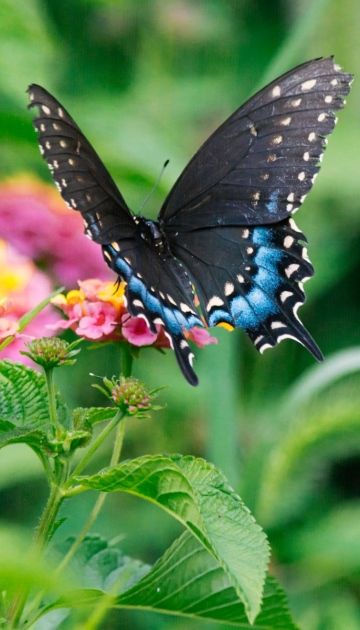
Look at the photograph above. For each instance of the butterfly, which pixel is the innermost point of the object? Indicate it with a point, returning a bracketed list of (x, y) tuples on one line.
[(226, 227)]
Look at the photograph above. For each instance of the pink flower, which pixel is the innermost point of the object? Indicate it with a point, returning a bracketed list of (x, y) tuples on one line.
[(136, 331), (36, 221), (200, 336), (98, 322), (22, 287), (97, 311)]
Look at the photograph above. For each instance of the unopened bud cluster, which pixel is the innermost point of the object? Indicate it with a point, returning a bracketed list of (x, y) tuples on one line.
[(50, 352), (131, 395)]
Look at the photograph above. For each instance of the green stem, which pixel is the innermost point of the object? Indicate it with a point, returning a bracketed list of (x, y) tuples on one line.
[(126, 360), (119, 439), (95, 445), (41, 537), (49, 375)]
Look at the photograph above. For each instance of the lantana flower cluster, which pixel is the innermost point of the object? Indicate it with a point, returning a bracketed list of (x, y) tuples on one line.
[(97, 311), (38, 224), (44, 243), (22, 287)]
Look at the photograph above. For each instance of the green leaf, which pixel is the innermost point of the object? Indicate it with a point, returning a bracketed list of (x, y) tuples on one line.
[(24, 410), (324, 429), (22, 567), (198, 495), (98, 564), (84, 417), (186, 581), (23, 396)]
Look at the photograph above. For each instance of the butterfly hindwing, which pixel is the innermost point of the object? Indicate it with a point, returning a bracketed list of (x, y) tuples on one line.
[(259, 165), (78, 172), (251, 278), (158, 290)]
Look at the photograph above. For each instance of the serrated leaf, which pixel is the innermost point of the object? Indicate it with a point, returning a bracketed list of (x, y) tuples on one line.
[(186, 581), (24, 410), (198, 495), (189, 581), (88, 416), (23, 396), (98, 565)]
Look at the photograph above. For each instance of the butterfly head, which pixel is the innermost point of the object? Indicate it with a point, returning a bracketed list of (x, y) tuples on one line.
[(150, 232)]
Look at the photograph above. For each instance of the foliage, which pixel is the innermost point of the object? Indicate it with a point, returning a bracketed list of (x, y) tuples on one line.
[(149, 81), (224, 546)]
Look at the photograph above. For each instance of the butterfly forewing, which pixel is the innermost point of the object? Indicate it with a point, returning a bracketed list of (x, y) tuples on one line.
[(78, 172), (260, 164)]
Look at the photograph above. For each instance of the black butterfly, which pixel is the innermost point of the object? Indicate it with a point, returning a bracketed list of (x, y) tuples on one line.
[(225, 226)]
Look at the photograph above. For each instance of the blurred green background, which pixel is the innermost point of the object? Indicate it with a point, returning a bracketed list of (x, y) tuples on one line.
[(148, 81)]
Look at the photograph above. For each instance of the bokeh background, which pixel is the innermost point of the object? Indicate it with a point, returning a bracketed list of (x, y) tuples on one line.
[(148, 81)]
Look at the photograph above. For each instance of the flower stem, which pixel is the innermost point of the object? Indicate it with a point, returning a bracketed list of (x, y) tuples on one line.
[(42, 534), (49, 375), (119, 439), (126, 360), (95, 445)]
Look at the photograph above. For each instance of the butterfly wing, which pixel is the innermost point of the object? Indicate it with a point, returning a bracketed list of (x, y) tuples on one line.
[(250, 278), (158, 288), (227, 217), (258, 166), (159, 291), (78, 172)]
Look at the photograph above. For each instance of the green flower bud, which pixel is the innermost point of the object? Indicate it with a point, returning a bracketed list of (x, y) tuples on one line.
[(51, 352), (130, 395)]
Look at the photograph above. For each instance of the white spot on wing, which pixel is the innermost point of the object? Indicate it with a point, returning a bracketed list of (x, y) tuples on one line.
[(138, 303), (214, 301), (276, 91), (229, 288), (296, 102), (240, 278), (312, 136), (277, 140), (284, 295), (288, 241), (306, 156), (286, 121), (63, 143), (264, 347), (46, 109), (307, 85), (301, 176), (290, 197), (291, 269), (275, 325), (322, 117), (328, 98)]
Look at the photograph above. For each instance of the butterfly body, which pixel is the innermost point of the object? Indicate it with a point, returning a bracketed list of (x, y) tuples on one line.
[(226, 227)]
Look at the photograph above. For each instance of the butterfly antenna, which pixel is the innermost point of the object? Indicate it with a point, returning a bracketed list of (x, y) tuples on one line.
[(154, 186)]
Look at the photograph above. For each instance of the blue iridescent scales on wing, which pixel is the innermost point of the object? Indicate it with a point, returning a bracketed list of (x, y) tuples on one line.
[(225, 228)]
